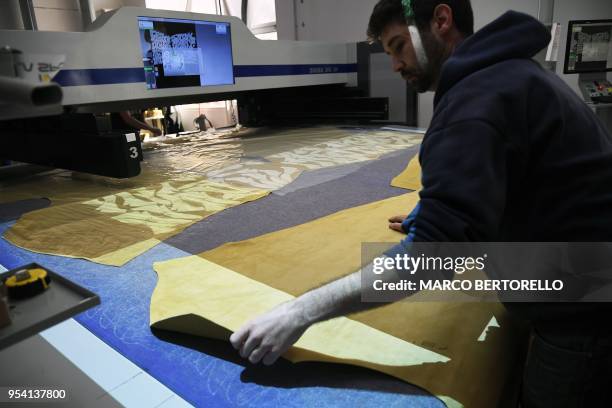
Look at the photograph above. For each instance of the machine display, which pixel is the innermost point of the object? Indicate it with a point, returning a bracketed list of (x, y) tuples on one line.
[(589, 54), (180, 53), (589, 47)]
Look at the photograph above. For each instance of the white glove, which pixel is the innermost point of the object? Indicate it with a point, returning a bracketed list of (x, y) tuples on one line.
[(268, 336)]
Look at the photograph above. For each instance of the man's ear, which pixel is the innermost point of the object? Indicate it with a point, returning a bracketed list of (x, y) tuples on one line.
[(443, 20)]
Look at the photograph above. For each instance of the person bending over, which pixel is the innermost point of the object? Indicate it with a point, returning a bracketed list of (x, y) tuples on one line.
[(512, 154)]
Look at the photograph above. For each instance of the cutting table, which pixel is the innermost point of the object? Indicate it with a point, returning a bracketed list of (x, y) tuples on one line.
[(210, 372)]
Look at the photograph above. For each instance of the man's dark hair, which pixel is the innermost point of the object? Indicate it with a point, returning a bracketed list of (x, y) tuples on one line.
[(392, 11)]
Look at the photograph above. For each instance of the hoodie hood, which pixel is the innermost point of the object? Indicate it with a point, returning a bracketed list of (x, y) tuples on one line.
[(513, 35)]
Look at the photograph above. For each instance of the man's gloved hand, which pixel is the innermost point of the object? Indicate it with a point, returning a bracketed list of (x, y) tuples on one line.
[(395, 223), (268, 336)]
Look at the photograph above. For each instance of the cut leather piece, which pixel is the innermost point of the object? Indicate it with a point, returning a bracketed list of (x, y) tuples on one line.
[(116, 228), (410, 178)]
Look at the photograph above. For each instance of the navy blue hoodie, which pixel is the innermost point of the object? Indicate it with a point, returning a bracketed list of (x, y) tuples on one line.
[(512, 153)]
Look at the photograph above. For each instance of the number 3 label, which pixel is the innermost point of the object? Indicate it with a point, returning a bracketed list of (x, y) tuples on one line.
[(133, 152)]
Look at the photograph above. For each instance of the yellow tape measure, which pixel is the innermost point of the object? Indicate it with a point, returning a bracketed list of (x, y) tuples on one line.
[(27, 283)]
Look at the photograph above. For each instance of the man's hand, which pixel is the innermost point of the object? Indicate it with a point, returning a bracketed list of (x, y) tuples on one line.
[(395, 223), (268, 336)]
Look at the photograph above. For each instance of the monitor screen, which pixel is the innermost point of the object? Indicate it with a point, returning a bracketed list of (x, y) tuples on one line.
[(178, 53), (589, 47)]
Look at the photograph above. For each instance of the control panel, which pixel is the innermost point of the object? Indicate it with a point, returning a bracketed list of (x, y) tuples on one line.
[(596, 91)]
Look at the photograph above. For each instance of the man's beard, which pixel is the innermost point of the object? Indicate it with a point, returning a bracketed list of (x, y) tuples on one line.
[(427, 79)]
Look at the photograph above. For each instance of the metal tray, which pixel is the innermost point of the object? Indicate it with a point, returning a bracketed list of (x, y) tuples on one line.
[(62, 300)]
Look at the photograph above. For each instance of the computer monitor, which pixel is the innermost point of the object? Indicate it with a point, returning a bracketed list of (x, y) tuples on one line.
[(589, 47), (181, 53)]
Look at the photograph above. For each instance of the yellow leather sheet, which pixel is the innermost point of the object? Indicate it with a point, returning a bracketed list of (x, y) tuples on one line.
[(410, 178), (328, 340), (277, 266), (112, 221)]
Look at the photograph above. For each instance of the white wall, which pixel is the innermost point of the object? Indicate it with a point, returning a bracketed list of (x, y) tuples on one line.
[(337, 20), (485, 11), (285, 20), (347, 20), (113, 4), (58, 15), (232, 8), (261, 12), (65, 15), (10, 17)]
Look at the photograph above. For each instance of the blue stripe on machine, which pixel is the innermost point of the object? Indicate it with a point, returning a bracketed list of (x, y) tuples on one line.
[(280, 70), (107, 76), (101, 76)]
